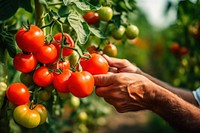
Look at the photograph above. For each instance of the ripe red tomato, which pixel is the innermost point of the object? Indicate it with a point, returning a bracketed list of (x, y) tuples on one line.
[(46, 54), (96, 64), (132, 31), (60, 81), (91, 17), (24, 62), (105, 13), (42, 76), (81, 84), (18, 94), (110, 50), (31, 39), (175, 47), (183, 51), (68, 42)]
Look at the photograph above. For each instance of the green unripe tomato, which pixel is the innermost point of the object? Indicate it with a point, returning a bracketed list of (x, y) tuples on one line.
[(118, 33), (132, 31), (105, 13)]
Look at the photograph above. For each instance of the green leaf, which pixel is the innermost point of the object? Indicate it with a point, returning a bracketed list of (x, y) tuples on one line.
[(80, 27), (26, 4), (66, 2), (85, 6), (8, 8), (9, 43), (97, 33)]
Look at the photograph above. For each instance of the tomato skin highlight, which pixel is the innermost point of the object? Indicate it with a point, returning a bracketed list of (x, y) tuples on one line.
[(42, 76), (46, 54), (26, 117), (25, 62), (60, 81), (92, 18), (30, 40), (18, 94), (95, 65), (81, 84)]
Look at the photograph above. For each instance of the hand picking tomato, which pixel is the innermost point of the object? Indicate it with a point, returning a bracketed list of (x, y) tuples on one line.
[(68, 41), (26, 117), (46, 54), (60, 81), (91, 17), (96, 64), (81, 84), (18, 94), (30, 39), (24, 62), (42, 76)]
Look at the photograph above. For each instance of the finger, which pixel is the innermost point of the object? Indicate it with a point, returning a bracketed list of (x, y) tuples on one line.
[(115, 62), (113, 69), (102, 91), (103, 79)]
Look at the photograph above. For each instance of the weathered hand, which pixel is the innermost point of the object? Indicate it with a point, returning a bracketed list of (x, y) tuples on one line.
[(121, 65), (125, 91)]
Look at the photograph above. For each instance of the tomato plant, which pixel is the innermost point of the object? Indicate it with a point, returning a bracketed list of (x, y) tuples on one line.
[(95, 64), (18, 94), (25, 62), (44, 95), (30, 38), (66, 40), (81, 84), (46, 54), (42, 76), (91, 18)]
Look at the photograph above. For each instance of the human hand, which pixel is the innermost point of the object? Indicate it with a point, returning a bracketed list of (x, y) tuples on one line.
[(125, 91), (121, 65)]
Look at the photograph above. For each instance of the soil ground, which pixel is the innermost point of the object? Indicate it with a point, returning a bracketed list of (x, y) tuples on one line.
[(125, 123)]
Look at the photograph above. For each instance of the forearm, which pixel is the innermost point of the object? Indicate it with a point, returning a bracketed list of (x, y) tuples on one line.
[(184, 94), (181, 115)]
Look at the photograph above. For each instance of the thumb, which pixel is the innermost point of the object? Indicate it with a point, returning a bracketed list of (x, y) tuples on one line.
[(115, 62), (103, 79)]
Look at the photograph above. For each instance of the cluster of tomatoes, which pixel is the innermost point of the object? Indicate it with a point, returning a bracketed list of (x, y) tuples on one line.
[(47, 65), (105, 14)]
